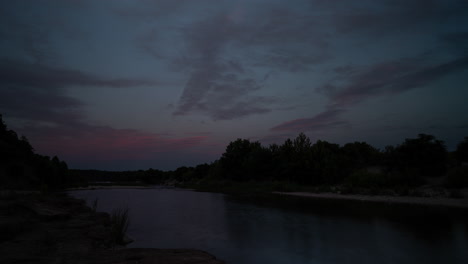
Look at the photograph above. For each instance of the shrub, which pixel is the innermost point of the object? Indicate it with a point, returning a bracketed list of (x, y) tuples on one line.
[(457, 177), (95, 204), (119, 224), (368, 180)]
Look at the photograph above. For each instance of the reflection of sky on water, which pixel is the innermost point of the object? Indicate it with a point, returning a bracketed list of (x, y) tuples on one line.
[(241, 232)]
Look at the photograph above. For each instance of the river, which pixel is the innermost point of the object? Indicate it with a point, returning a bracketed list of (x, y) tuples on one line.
[(241, 231)]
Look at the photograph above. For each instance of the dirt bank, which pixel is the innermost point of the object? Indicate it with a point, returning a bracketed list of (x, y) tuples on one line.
[(59, 229)]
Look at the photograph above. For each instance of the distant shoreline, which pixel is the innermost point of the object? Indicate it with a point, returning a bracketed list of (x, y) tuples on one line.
[(94, 187), (410, 200)]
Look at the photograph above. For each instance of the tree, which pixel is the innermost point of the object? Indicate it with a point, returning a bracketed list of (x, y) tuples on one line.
[(325, 158), (425, 156), (461, 153), (243, 159), (357, 156)]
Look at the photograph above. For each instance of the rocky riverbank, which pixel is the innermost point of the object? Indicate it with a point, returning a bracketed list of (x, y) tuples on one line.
[(56, 228)]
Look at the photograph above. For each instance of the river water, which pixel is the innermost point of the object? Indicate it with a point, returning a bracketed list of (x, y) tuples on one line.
[(283, 230)]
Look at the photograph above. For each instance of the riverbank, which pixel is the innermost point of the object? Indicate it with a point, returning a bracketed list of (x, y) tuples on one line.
[(410, 200), (57, 228), (94, 187)]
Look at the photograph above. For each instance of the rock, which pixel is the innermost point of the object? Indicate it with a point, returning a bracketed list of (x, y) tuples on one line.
[(63, 230), (49, 213)]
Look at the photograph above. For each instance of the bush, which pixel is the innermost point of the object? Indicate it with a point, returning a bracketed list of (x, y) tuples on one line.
[(457, 177), (366, 179), (119, 224)]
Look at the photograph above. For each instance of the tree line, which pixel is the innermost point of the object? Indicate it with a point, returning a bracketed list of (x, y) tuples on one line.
[(297, 161), (22, 168), (302, 162), (323, 163)]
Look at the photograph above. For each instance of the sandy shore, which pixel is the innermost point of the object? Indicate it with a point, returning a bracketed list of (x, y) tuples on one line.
[(432, 201)]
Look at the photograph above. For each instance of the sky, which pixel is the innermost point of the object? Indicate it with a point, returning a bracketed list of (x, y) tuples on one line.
[(138, 84)]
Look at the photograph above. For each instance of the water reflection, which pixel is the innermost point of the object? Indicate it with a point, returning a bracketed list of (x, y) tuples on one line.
[(289, 231)]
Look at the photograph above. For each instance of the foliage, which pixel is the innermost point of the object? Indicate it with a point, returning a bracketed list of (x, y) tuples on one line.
[(424, 156), (22, 168), (457, 177), (461, 152), (120, 222), (369, 180), (94, 205), (295, 164), (244, 160)]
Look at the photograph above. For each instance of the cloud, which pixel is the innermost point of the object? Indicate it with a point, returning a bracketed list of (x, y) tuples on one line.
[(14, 72), (34, 95), (35, 105), (216, 87), (325, 120), (36, 92), (235, 44), (392, 78), (396, 15), (361, 84)]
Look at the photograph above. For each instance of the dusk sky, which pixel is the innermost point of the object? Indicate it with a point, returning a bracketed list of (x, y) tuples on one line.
[(138, 84)]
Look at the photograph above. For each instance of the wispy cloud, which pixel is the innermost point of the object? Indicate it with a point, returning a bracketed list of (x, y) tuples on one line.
[(55, 123), (215, 86), (395, 15), (219, 84), (325, 120), (18, 73), (381, 79), (36, 92), (391, 78)]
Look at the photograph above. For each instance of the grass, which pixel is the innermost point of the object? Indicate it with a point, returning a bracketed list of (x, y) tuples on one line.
[(120, 222), (95, 205)]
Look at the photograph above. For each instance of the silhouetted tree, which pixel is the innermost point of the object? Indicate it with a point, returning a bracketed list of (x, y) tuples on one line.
[(461, 153), (357, 156), (326, 159), (243, 159), (24, 168), (425, 156)]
